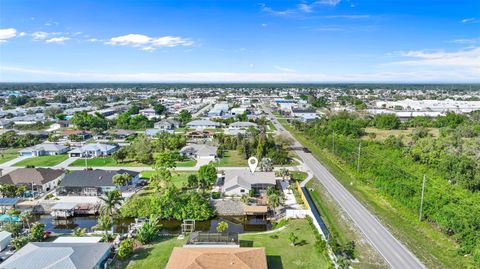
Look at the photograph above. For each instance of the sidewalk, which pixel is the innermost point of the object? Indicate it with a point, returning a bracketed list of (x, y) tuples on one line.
[(66, 163)]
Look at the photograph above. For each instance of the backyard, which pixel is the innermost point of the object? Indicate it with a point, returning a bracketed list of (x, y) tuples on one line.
[(150, 256), (281, 254), (43, 161)]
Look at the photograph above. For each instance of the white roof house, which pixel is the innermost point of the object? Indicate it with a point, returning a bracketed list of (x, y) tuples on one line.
[(93, 150), (241, 181), (199, 151), (242, 125), (44, 149), (203, 124)]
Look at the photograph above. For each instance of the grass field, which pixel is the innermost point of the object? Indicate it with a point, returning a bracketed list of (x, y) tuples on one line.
[(43, 161), (232, 158), (8, 155), (178, 177), (381, 134), (187, 163), (107, 161), (150, 256), (298, 176), (280, 253), (428, 243)]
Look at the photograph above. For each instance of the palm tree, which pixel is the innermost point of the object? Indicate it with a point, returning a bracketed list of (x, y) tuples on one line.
[(104, 223), (222, 226), (245, 199), (25, 216), (110, 202), (273, 201)]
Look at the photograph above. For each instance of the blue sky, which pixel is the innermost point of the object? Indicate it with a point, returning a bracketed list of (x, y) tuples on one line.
[(240, 41)]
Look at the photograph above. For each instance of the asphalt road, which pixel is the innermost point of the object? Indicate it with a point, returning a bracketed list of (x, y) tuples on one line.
[(392, 250)]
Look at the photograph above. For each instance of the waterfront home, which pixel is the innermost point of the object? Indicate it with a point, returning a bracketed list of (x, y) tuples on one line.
[(42, 179), (92, 182), (240, 181), (203, 124), (43, 255)]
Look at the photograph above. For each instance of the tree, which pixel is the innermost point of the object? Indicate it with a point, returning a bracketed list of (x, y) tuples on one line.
[(133, 110), (222, 226), (245, 199), (37, 231), (19, 242), (80, 231), (26, 216), (122, 179), (292, 238), (111, 200), (120, 155), (273, 201), (125, 248), (184, 116), (104, 223), (166, 159), (208, 173), (192, 180), (159, 109), (52, 112), (386, 121), (161, 179), (149, 230)]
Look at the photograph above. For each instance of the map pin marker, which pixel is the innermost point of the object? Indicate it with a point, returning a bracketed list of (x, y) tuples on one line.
[(252, 163)]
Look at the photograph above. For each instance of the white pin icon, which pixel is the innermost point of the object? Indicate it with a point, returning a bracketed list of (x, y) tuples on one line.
[(252, 163)]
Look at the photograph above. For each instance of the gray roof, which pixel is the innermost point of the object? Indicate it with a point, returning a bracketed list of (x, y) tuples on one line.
[(200, 149), (203, 123), (93, 178), (38, 176), (45, 147), (245, 178), (243, 124), (43, 255)]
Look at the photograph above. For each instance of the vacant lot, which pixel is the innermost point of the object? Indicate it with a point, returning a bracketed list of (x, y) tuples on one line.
[(232, 158), (280, 252), (178, 178), (104, 161), (43, 161), (380, 134), (8, 155)]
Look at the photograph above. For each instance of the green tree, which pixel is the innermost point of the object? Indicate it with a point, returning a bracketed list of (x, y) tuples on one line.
[(125, 248), (80, 231), (19, 242), (159, 109), (37, 231), (192, 181), (386, 121), (222, 226), (120, 155), (122, 179), (184, 116), (104, 223), (110, 201), (149, 230), (208, 173)]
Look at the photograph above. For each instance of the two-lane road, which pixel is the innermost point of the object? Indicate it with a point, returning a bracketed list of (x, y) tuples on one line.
[(392, 250)]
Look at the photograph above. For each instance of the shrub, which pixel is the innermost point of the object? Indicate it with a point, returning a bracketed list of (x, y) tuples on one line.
[(125, 248)]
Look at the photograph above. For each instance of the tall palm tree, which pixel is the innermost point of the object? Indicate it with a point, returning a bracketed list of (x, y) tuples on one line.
[(110, 202), (104, 223)]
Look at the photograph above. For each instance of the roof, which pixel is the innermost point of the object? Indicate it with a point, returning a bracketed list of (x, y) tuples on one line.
[(93, 178), (45, 147), (244, 178), (4, 234), (217, 258), (43, 255), (200, 149), (298, 110), (38, 176), (8, 201), (243, 124), (93, 147), (78, 239), (64, 206), (203, 123), (255, 209)]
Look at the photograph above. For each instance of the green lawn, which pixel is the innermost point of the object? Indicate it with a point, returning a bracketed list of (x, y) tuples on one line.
[(280, 254), (187, 163), (43, 161), (298, 176), (105, 161), (8, 155), (151, 256), (232, 158), (178, 177), (428, 243)]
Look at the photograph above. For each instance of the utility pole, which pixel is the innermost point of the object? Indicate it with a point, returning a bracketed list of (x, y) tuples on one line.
[(333, 142), (358, 158), (421, 201)]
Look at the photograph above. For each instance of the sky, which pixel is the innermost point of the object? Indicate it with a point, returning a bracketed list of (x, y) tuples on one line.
[(240, 41)]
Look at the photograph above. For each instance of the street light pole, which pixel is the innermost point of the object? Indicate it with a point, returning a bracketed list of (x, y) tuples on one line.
[(421, 200), (358, 159)]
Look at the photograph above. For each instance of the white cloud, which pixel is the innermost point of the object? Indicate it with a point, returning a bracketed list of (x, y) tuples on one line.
[(57, 40), (470, 20), (305, 7), (40, 35), (283, 69), (328, 2), (264, 25), (148, 43), (25, 74), (469, 57), (467, 41), (22, 34), (7, 33), (92, 40)]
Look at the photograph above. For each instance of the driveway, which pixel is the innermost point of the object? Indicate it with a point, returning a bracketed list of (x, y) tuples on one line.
[(14, 161), (66, 163)]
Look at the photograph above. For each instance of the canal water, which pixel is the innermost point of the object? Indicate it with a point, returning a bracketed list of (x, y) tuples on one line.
[(238, 224)]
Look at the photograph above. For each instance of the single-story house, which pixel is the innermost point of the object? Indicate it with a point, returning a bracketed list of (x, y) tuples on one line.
[(203, 124), (5, 124), (50, 255), (167, 125), (200, 134), (61, 124), (44, 150), (149, 113), (241, 181), (304, 114), (242, 125), (199, 151), (238, 111), (43, 179), (82, 135), (151, 132), (217, 257), (92, 182), (93, 150)]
